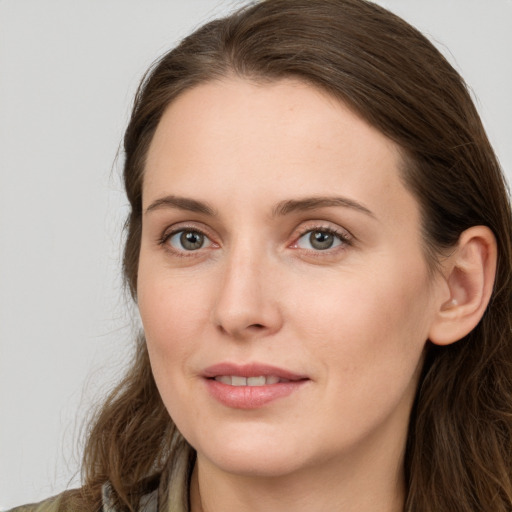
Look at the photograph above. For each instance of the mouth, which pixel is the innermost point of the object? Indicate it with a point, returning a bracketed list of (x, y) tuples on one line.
[(238, 380), (250, 386)]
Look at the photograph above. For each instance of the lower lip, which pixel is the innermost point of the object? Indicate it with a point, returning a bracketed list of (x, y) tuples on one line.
[(251, 397)]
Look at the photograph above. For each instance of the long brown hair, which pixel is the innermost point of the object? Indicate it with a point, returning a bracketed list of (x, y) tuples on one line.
[(459, 447)]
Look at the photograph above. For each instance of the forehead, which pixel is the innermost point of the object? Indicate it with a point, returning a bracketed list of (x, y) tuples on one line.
[(234, 137)]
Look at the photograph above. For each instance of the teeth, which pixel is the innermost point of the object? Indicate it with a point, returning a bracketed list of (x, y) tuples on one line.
[(256, 381), (236, 380)]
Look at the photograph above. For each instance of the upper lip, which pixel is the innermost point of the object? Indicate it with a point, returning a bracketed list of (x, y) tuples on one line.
[(250, 370)]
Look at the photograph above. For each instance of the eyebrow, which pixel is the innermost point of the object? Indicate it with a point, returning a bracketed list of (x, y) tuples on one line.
[(314, 203), (282, 208), (181, 203)]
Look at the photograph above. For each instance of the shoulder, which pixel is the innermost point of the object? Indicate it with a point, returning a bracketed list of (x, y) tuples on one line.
[(61, 503), (71, 501), (152, 494)]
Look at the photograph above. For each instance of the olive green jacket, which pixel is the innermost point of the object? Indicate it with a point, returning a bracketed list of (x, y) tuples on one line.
[(64, 503), (168, 493)]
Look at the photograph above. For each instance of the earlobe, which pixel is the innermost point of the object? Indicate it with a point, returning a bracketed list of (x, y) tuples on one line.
[(469, 276)]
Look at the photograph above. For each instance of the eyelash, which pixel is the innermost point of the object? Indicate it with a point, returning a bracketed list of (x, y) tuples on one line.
[(345, 239), (163, 241)]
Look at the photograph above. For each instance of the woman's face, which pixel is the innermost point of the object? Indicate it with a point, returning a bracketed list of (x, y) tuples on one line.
[(282, 285)]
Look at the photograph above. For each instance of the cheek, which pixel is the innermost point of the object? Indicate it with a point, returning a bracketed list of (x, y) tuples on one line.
[(368, 323), (368, 337), (175, 316), (173, 313)]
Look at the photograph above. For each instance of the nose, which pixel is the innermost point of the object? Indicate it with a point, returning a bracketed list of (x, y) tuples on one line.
[(247, 303)]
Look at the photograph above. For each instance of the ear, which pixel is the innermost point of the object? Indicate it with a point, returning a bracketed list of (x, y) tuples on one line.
[(468, 280)]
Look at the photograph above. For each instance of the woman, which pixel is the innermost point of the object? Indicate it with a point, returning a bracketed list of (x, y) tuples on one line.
[(319, 245)]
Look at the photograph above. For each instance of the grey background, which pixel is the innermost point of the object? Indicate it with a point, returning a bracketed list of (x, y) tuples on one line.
[(68, 71)]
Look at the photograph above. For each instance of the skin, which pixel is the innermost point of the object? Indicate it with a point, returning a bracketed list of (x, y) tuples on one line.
[(353, 318)]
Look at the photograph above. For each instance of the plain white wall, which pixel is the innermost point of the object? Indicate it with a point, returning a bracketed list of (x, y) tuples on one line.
[(68, 71)]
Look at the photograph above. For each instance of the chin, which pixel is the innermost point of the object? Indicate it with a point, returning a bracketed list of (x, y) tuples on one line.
[(252, 455), (256, 464)]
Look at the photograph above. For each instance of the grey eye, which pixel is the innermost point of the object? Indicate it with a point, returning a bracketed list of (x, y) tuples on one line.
[(319, 240), (189, 240)]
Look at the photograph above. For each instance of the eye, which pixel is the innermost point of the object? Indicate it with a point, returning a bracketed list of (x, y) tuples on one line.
[(320, 240), (188, 240)]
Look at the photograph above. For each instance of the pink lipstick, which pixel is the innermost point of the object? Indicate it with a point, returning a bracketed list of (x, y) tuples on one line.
[(250, 386)]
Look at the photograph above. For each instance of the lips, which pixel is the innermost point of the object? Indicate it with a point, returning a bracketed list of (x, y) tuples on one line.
[(250, 386), (251, 370)]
